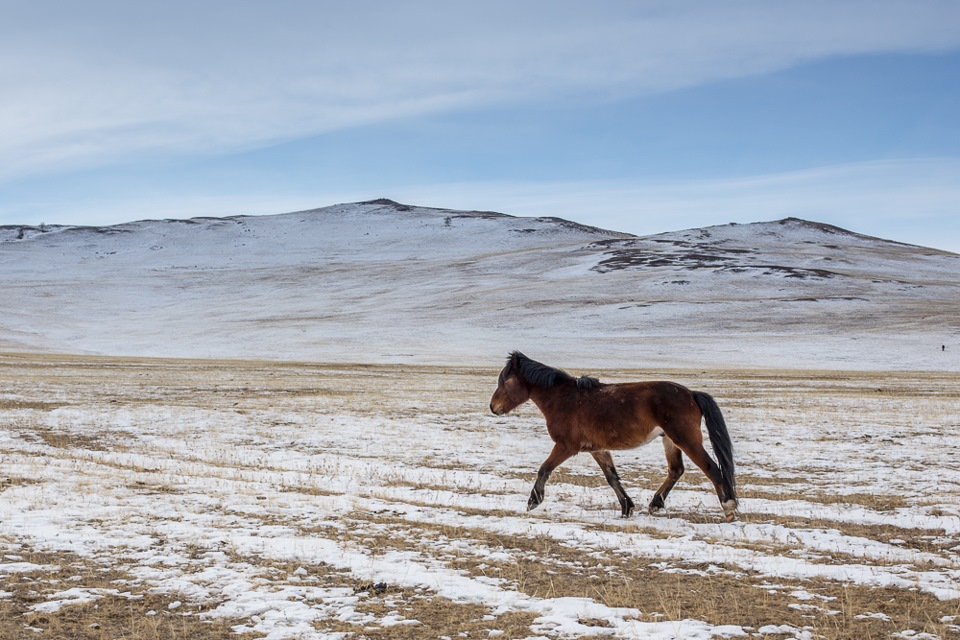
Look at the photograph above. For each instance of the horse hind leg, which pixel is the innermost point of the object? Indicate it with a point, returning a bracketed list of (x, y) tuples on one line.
[(674, 470), (699, 456), (605, 460), (690, 441)]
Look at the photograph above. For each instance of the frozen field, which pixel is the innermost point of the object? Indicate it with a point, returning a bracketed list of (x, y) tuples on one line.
[(205, 499)]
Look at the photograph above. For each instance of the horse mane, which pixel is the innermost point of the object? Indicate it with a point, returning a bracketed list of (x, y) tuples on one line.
[(545, 377)]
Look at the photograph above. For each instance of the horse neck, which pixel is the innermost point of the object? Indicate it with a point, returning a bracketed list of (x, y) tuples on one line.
[(549, 401)]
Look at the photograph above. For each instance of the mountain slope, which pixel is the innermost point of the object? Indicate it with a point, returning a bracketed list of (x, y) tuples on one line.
[(380, 281)]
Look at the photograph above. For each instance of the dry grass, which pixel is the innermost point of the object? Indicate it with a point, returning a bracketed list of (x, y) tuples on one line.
[(269, 398), (436, 618), (7, 404), (118, 613), (67, 440), (546, 568)]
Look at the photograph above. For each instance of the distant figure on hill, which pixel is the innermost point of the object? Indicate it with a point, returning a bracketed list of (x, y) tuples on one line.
[(943, 347)]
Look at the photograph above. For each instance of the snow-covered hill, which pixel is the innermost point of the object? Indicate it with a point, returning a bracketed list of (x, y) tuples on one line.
[(385, 282)]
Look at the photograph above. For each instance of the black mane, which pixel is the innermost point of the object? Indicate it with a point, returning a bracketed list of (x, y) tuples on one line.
[(545, 377)]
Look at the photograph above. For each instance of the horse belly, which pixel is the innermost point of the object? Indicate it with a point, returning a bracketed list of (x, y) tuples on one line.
[(618, 439), (639, 441)]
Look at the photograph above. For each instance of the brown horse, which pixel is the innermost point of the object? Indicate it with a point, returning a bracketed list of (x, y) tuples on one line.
[(584, 414)]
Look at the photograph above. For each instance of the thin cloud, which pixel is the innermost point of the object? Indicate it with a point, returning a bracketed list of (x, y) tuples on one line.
[(94, 83)]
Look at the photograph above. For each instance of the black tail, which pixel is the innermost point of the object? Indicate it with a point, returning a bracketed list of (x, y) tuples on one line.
[(719, 438)]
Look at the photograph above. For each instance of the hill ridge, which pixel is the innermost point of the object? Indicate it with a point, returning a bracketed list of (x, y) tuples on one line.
[(26, 231)]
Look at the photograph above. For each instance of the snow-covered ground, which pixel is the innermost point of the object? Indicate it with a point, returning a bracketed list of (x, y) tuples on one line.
[(388, 283), (309, 501)]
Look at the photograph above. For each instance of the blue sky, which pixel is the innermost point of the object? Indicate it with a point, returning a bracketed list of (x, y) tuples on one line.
[(636, 116)]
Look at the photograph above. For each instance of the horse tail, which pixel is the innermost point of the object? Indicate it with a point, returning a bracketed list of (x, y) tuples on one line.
[(719, 438)]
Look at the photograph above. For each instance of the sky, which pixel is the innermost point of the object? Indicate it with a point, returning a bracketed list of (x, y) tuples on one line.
[(638, 116)]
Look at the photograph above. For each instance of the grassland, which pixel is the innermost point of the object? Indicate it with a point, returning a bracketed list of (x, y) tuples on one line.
[(149, 499)]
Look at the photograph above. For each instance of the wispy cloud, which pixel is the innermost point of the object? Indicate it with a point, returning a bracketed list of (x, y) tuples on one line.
[(92, 83)]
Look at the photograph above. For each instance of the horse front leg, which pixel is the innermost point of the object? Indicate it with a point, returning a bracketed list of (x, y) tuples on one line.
[(605, 460), (559, 454)]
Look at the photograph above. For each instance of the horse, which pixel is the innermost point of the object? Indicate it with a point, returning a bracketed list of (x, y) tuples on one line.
[(584, 414)]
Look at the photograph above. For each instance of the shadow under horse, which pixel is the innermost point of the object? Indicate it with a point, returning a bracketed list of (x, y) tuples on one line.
[(584, 414)]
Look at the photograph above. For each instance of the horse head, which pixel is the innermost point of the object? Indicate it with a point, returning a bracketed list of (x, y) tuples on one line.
[(512, 388)]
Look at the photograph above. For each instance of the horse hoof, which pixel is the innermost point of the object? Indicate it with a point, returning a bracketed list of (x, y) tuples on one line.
[(730, 510), (536, 497)]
